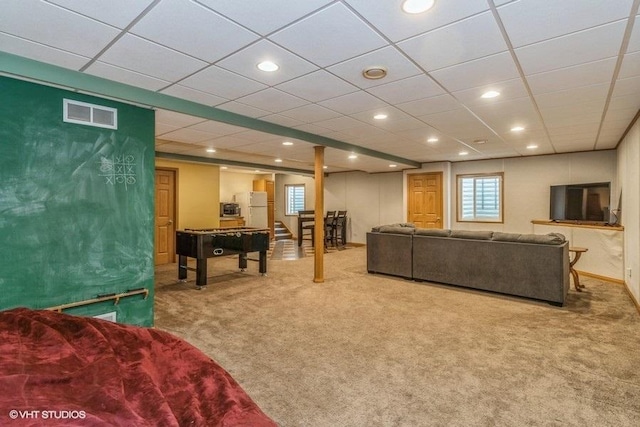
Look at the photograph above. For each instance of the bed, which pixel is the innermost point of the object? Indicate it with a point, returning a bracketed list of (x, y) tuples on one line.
[(58, 369)]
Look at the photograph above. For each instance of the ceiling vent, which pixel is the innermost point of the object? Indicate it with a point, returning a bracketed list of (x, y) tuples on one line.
[(89, 114)]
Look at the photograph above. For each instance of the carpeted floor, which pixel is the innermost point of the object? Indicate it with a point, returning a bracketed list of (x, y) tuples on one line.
[(371, 350)]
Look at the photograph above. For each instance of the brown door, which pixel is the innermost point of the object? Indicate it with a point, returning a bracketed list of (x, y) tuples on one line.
[(165, 216), (425, 200)]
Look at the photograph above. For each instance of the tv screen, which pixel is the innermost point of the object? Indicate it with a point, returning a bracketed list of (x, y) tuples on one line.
[(580, 202)]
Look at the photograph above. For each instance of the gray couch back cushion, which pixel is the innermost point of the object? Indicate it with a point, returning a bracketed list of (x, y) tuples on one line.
[(432, 232), (395, 229), (474, 235)]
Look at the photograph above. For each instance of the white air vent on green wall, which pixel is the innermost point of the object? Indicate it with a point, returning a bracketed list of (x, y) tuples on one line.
[(90, 114)]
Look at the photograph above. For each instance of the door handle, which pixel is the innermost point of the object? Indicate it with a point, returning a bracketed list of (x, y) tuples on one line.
[(170, 222)]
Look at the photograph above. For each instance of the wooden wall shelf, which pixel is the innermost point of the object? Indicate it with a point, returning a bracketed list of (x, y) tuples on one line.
[(580, 224)]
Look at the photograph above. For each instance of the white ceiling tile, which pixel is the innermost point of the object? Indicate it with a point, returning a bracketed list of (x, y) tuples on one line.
[(264, 16), (229, 142), (40, 52), (634, 40), (162, 128), (456, 43), (217, 128), (339, 123), (397, 66), (136, 54), (56, 27), (176, 119), (245, 63), (187, 135), (434, 104), (409, 89), (573, 49), (243, 109), (223, 83), (389, 18), (282, 120), (502, 116), (573, 96), (572, 77), (453, 122), (118, 13), (508, 89), (193, 95), (199, 32), (310, 113), (480, 72), (531, 21), (121, 75), (257, 136), (630, 65), (317, 36), (272, 100), (353, 103), (627, 86), (317, 86)]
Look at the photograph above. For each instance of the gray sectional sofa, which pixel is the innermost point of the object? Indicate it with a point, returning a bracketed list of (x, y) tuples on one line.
[(525, 265)]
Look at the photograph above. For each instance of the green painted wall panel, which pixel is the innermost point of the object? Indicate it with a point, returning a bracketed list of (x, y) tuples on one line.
[(76, 203)]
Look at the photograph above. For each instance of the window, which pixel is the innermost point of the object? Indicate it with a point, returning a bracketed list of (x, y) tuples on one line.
[(294, 198), (480, 198)]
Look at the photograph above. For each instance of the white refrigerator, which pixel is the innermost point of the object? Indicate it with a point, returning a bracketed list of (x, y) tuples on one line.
[(253, 207)]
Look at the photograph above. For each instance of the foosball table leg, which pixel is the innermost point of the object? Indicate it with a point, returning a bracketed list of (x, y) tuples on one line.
[(182, 268), (242, 261), (263, 263)]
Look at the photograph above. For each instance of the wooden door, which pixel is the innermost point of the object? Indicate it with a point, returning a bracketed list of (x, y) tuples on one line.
[(165, 217), (425, 200)]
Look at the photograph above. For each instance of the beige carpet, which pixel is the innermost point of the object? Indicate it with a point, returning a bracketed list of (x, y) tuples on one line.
[(370, 350)]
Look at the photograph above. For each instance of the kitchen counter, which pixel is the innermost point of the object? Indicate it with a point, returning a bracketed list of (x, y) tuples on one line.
[(231, 221)]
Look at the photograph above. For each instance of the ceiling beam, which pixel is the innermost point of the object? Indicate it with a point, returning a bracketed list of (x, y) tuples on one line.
[(47, 73)]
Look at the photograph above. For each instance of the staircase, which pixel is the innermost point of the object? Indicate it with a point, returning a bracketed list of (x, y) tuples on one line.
[(281, 232)]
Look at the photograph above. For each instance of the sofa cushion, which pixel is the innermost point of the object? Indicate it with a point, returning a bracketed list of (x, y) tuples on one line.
[(432, 232), (543, 239), (395, 229), (398, 224), (470, 234), (506, 237)]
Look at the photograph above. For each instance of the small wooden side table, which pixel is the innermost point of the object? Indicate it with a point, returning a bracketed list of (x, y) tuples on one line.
[(577, 253)]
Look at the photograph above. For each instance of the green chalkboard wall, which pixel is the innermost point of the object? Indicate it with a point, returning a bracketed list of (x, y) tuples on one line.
[(76, 204)]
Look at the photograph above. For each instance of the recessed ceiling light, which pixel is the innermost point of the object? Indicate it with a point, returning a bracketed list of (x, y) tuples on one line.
[(325, 167), (224, 167), (490, 94), (211, 150), (268, 66), (480, 141), (287, 143), (278, 160), (380, 116), (353, 156), (463, 153), (417, 6), (257, 171), (374, 73), (517, 129), (393, 166), (532, 146), (432, 140)]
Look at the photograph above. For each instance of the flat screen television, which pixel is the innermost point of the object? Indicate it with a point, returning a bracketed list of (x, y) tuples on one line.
[(581, 202)]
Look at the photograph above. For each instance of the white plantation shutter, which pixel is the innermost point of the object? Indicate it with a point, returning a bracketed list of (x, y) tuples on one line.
[(480, 198), (294, 199)]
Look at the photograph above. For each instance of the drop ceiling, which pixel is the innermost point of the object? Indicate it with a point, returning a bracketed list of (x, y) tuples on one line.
[(567, 71)]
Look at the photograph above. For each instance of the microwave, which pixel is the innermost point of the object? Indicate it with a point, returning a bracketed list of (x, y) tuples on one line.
[(229, 209)]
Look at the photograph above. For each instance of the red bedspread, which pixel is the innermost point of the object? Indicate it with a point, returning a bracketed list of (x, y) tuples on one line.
[(57, 369)]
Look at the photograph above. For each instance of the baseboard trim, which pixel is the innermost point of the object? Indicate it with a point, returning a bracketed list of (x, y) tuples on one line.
[(597, 276), (632, 297)]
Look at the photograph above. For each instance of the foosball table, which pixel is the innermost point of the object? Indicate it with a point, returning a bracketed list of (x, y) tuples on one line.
[(202, 244)]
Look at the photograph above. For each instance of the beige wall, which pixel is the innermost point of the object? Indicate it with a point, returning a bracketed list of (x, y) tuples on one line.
[(629, 194), (198, 193), (280, 180), (232, 183)]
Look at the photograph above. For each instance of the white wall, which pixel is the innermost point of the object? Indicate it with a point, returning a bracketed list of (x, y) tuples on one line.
[(628, 162), (369, 199), (280, 180), (374, 199)]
